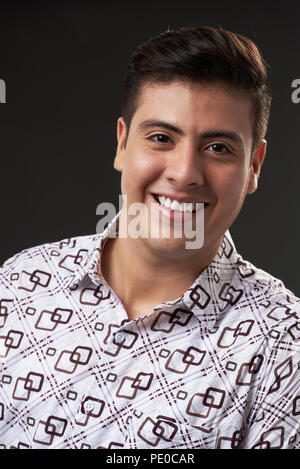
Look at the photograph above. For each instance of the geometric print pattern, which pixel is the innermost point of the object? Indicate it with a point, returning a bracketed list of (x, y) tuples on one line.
[(216, 368)]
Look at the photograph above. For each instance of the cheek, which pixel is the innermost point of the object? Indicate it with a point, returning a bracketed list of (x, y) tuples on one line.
[(140, 170), (229, 184)]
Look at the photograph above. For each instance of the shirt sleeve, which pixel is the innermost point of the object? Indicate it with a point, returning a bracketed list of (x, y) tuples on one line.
[(274, 418)]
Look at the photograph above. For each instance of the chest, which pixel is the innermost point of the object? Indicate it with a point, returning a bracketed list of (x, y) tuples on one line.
[(99, 380)]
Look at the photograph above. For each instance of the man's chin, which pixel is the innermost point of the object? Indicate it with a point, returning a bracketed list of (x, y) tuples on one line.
[(168, 247), (158, 234)]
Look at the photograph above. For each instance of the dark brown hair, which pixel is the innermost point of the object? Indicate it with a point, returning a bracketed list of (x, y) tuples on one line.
[(200, 55)]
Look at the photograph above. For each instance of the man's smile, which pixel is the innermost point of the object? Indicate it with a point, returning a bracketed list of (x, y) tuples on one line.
[(178, 203)]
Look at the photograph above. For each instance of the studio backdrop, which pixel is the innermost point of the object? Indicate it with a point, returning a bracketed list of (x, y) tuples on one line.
[(62, 66)]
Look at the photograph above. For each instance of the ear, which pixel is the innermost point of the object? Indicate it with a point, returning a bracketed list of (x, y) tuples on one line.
[(256, 164), (121, 135)]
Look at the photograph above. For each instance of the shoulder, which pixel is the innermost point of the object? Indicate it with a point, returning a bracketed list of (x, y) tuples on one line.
[(44, 265), (267, 298), (254, 279)]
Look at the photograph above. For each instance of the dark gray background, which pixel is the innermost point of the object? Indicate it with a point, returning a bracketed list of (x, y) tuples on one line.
[(64, 63)]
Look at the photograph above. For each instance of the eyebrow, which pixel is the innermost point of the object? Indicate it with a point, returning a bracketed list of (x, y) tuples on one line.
[(208, 134)]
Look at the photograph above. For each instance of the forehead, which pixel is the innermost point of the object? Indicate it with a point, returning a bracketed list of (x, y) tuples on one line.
[(196, 107)]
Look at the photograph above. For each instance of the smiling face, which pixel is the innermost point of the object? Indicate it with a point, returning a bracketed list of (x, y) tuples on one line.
[(189, 143)]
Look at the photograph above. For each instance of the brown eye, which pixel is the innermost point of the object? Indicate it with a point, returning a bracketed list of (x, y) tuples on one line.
[(160, 138), (219, 148)]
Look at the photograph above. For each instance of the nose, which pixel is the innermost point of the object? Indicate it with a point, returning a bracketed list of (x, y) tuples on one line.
[(184, 169)]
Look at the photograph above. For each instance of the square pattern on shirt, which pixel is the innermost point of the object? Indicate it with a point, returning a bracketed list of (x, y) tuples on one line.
[(215, 368)]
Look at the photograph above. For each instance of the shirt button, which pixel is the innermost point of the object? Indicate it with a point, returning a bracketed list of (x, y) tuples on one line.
[(88, 406), (119, 337)]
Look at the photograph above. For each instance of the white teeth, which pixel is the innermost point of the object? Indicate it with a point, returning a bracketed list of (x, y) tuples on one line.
[(188, 207), (177, 206)]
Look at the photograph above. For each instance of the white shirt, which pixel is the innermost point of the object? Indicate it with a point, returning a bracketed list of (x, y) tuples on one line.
[(216, 368)]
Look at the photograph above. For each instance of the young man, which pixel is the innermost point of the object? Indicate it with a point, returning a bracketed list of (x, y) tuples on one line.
[(146, 341)]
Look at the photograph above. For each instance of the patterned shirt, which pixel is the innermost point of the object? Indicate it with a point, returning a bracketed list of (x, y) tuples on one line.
[(216, 368)]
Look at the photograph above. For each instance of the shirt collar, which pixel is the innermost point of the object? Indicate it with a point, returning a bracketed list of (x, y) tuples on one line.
[(217, 288), (90, 262), (214, 291)]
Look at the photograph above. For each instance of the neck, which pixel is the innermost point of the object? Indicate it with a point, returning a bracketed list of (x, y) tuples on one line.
[(143, 278)]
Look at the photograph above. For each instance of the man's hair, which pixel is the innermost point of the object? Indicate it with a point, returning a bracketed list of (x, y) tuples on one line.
[(205, 55)]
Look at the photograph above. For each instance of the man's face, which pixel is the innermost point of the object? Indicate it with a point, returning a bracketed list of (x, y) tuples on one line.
[(191, 143)]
